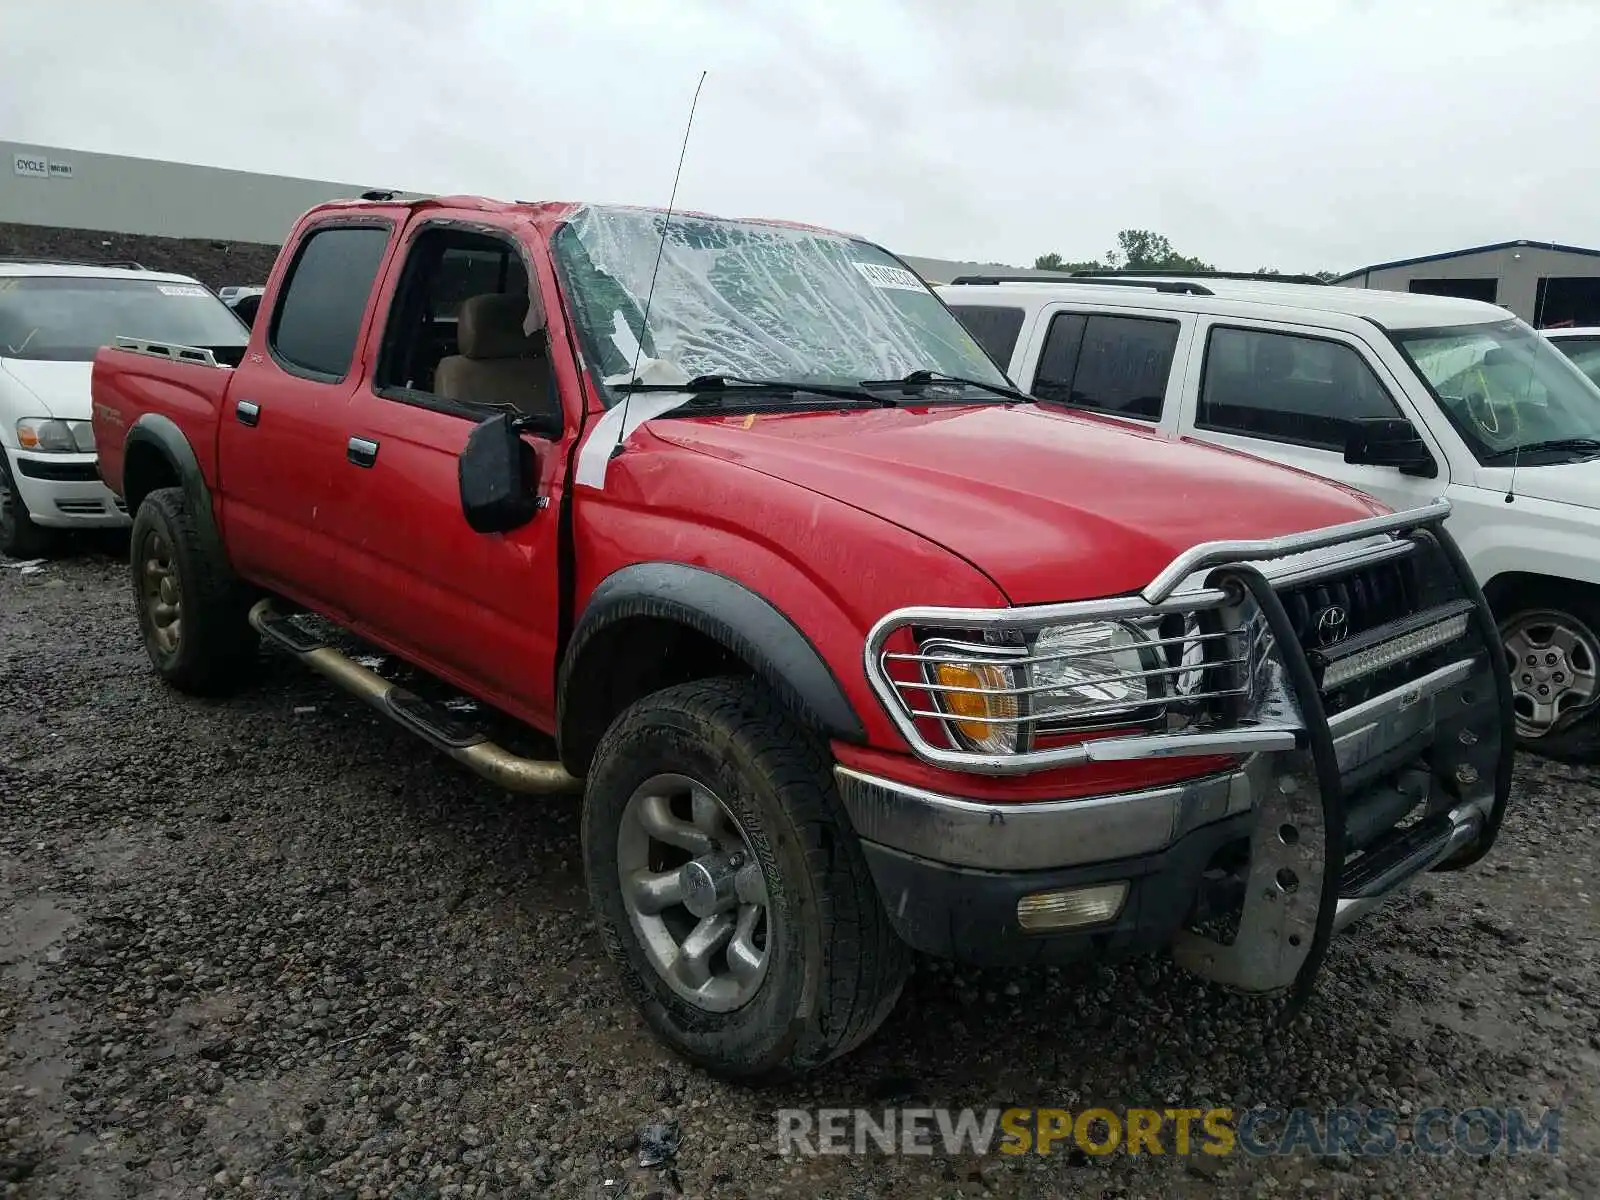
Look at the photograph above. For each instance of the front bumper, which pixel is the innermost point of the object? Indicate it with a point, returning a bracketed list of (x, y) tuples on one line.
[(1291, 847), (64, 491)]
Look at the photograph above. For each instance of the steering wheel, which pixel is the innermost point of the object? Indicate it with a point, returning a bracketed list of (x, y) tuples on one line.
[(1499, 421)]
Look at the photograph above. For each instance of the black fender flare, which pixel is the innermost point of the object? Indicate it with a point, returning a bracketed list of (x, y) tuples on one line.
[(162, 435), (728, 612)]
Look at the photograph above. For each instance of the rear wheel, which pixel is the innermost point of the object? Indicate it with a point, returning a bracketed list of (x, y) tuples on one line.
[(19, 536), (192, 611), (1552, 643), (729, 887)]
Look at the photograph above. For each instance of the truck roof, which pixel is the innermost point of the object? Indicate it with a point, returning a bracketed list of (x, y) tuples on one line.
[(1391, 310), (547, 214), (37, 267)]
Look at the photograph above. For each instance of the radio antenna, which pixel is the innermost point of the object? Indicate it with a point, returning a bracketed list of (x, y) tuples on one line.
[(650, 292)]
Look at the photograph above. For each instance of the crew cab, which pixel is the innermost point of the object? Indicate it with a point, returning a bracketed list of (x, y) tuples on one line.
[(1408, 397), (850, 647), (53, 317)]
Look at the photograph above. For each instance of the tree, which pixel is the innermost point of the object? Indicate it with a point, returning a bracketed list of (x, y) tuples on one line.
[(1054, 262), (1136, 250), (1144, 250)]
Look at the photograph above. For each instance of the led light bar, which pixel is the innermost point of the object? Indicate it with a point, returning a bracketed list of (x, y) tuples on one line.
[(1357, 664)]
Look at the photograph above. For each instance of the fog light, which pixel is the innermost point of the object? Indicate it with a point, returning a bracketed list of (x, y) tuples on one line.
[(1071, 907)]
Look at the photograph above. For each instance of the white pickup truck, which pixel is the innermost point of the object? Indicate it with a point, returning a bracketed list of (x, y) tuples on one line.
[(1407, 397)]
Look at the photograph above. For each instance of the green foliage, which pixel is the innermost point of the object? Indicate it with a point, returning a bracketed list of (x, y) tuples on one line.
[(1054, 262), (1146, 250)]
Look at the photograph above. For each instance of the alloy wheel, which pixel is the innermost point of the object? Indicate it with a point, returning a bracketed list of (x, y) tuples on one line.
[(694, 892), (163, 601), (1554, 661)]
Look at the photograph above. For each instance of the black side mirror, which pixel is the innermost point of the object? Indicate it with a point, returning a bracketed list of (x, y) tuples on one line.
[(499, 476), (1389, 442)]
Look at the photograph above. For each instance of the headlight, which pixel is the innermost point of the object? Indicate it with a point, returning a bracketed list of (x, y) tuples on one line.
[(1092, 673), (47, 434), (981, 697), (1081, 676)]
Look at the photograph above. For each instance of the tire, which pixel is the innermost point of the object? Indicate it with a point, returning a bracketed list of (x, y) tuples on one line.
[(833, 965), (1533, 613), (192, 610), (19, 536)]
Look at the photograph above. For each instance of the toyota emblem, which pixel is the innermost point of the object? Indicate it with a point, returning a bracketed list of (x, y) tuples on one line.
[(1333, 625)]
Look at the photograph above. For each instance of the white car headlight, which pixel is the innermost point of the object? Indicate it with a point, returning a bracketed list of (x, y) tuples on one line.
[(1092, 673), (53, 436)]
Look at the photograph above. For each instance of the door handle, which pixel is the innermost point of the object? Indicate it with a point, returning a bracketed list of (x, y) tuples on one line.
[(361, 451), (248, 412)]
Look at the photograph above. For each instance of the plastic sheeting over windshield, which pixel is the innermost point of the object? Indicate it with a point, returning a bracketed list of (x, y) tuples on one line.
[(751, 300)]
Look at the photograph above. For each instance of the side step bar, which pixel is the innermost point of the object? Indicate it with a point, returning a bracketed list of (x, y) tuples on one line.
[(468, 746)]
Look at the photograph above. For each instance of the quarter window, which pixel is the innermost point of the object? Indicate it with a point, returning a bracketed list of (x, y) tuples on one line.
[(1108, 364), (1584, 353), (325, 297), (1287, 388), (992, 327)]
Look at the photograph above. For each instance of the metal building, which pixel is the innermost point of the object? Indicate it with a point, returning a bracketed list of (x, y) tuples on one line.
[(1544, 283), (219, 225)]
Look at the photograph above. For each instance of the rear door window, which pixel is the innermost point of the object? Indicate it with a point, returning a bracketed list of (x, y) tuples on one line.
[(318, 317), (992, 326), (1107, 363), (1287, 388)]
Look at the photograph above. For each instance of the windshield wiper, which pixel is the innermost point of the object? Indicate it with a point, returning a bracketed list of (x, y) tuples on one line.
[(925, 378), (1578, 445), (709, 388)]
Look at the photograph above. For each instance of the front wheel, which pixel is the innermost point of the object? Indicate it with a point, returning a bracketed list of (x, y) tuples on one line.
[(1553, 653), (729, 887)]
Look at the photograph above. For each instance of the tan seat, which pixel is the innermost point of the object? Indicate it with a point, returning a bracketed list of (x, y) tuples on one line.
[(498, 364)]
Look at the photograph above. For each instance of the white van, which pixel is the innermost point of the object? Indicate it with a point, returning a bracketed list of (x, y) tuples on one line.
[(1407, 397)]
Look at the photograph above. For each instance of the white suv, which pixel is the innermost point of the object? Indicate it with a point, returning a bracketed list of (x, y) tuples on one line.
[(1407, 397), (53, 317)]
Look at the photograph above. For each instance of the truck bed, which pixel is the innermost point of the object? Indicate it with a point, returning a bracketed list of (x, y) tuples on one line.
[(183, 384)]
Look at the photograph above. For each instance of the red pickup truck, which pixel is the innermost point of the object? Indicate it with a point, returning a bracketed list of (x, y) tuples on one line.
[(850, 647)]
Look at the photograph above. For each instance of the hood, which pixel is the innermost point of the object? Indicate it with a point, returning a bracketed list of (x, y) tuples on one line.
[(1560, 483), (1051, 505), (60, 389)]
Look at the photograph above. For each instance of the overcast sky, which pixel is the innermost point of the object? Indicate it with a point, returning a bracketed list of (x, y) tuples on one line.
[(1306, 134)]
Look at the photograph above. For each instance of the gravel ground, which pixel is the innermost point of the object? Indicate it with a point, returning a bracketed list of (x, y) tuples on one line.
[(275, 947)]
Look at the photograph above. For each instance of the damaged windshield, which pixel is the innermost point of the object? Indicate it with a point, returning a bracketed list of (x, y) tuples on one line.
[(1507, 390), (752, 301)]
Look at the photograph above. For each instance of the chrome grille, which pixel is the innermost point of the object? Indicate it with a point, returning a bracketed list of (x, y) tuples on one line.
[(1366, 598)]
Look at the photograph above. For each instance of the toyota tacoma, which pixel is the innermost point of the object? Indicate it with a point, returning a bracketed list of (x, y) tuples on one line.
[(850, 647)]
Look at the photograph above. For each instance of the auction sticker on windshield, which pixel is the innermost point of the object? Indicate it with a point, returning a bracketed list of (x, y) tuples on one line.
[(181, 289), (882, 276)]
